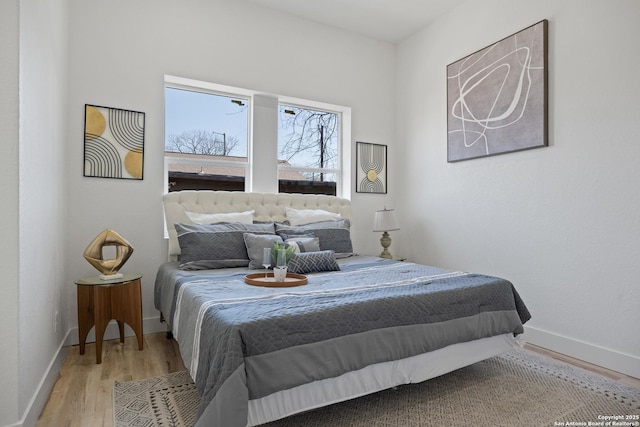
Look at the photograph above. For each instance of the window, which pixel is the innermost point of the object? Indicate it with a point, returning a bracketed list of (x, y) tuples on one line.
[(206, 140), (223, 138), (308, 150)]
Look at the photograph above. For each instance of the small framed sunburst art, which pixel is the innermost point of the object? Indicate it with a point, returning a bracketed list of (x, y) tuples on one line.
[(113, 142), (371, 168)]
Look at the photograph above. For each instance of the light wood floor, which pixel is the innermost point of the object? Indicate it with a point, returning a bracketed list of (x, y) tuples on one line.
[(82, 394)]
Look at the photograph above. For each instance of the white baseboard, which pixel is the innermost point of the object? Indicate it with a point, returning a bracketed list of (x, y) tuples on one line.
[(150, 325), (620, 362), (40, 397)]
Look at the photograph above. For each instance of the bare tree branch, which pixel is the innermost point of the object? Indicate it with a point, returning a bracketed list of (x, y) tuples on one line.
[(313, 134), (198, 141)]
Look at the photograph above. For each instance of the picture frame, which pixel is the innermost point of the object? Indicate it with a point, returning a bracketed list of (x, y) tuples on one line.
[(497, 97), (371, 168), (113, 143)]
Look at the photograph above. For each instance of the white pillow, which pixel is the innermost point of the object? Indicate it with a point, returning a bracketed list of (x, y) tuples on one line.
[(214, 218), (308, 216)]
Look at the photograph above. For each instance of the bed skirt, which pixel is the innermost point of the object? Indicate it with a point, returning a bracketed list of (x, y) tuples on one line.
[(375, 378)]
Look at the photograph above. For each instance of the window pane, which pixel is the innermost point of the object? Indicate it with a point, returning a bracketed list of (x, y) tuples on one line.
[(204, 123), (307, 149), (307, 187), (297, 175), (200, 129), (193, 172), (307, 138)]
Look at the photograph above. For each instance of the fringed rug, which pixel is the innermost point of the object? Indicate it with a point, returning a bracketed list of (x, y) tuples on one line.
[(519, 388)]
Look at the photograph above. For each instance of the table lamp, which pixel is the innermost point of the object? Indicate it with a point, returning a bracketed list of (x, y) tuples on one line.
[(385, 221)]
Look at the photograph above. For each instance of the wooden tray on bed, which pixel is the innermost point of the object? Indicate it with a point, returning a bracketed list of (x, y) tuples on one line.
[(259, 279)]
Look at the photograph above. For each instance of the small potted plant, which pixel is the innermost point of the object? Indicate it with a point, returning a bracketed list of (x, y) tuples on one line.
[(280, 255)]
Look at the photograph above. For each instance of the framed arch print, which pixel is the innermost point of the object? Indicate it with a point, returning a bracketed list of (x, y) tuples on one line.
[(371, 168), (113, 142)]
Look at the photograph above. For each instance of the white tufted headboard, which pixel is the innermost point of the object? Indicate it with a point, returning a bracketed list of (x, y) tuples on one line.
[(267, 206)]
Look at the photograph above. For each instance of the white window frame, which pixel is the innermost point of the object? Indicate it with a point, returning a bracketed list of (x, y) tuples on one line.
[(266, 178), (212, 89)]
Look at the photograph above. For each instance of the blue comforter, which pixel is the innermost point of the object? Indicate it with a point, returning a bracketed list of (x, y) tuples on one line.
[(243, 342)]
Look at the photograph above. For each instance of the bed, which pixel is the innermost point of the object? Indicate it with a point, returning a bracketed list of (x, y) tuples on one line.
[(360, 325)]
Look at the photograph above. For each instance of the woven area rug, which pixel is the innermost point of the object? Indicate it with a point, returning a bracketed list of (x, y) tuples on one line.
[(519, 388)]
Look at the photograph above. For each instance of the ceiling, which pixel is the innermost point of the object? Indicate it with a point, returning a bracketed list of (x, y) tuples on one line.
[(386, 20)]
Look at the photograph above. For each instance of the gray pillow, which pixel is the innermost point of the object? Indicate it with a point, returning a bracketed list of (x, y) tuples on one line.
[(310, 262), (212, 264), (303, 244), (333, 235), (216, 245), (255, 243)]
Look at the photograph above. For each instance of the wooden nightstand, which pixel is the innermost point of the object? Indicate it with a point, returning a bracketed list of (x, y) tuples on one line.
[(99, 301)]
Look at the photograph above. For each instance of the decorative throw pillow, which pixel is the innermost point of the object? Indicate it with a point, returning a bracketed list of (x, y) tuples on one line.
[(310, 262), (255, 244), (216, 245), (333, 235), (214, 218), (286, 236), (303, 244), (308, 216)]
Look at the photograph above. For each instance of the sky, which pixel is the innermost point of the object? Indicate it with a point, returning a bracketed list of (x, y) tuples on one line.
[(187, 110)]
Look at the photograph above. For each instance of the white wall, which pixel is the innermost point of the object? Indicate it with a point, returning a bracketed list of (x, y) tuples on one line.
[(33, 116), (560, 222), (42, 199), (9, 136), (119, 54)]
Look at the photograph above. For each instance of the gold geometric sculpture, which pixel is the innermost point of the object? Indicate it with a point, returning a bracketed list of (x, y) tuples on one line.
[(108, 267)]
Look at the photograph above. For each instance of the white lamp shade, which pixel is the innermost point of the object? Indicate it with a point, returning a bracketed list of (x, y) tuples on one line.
[(386, 220)]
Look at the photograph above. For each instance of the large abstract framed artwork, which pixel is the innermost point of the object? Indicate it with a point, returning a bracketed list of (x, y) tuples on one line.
[(497, 97), (113, 142), (371, 169)]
